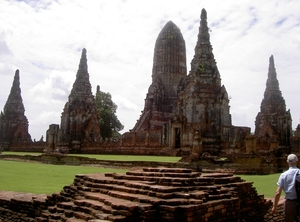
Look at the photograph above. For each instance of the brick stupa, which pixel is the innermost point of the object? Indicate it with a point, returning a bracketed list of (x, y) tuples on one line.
[(13, 122), (273, 125), (203, 100), (169, 68), (80, 119)]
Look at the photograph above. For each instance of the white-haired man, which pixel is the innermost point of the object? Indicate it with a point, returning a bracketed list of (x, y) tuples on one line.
[(286, 182)]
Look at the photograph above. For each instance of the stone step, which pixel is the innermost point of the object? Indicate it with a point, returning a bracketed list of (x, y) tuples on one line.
[(143, 188), (113, 202), (165, 169), (167, 181), (41, 219), (99, 220), (103, 211), (75, 220), (119, 200), (45, 214), (66, 205), (163, 174), (117, 218), (82, 216), (55, 216), (101, 207), (100, 178), (132, 187)]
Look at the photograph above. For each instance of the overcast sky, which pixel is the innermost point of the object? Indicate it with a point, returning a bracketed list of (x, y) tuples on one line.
[(44, 39)]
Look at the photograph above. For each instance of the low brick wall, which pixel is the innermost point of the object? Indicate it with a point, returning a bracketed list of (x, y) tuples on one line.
[(17, 206)]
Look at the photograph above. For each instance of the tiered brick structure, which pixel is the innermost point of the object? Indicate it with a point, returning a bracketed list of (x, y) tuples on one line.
[(273, 125), (13, 122), (79, 119), (156, 194)]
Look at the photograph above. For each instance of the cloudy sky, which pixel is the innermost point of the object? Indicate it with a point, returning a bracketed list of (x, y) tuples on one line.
[(44, 39)]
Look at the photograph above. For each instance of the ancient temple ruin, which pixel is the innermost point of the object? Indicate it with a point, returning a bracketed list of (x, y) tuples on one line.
[(273, 125), (186, 110), (79, 119), (13, 122), (169, 68)]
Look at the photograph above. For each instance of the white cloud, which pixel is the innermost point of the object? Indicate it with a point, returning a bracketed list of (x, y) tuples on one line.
[(43, 39), (53, 90)]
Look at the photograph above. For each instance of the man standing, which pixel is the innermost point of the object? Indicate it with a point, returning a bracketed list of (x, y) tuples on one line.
[(286, 182)]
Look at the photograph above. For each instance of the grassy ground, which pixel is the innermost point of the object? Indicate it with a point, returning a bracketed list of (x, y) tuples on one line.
[(264, 184), (171, 159), (41, 178)]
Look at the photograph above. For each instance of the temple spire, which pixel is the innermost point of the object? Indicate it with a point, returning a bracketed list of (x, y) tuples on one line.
[(203, 36), (272, 85), (82, 86), (273, 122), (14, 103), (203, 61), (80, 118), (13, 122), (272, 94), (83, 62)]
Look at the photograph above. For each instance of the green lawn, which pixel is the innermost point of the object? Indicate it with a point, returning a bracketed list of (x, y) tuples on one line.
[(21, 153), (171, 159), (264, 184), (41, 178)]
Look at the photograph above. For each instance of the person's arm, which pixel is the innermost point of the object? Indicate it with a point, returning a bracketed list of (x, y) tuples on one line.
[(276, 199)]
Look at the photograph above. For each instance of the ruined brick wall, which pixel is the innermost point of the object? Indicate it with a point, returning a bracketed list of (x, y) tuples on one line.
[(151, 138), (16, 206), (38, 147)]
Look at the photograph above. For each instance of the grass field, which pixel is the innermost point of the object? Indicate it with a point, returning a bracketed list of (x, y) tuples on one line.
[(41, 178), (170, 159), (44, 178), (264, 184)]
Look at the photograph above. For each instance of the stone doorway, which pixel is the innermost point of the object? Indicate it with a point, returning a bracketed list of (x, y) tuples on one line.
[(177, 137)]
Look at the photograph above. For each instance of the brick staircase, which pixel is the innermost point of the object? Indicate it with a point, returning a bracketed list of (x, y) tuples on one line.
[(154, 194)]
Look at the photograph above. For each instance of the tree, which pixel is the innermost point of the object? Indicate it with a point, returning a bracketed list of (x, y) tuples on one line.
[(109, 123)]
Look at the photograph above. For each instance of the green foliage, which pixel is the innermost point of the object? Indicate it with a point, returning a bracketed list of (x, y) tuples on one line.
[(109, 122), (201, 67)]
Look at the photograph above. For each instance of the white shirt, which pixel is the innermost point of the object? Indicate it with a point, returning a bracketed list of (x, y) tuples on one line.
[(287, 182)]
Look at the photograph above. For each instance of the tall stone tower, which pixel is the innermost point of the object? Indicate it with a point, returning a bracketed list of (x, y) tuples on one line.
[(13, 122), (169, 68), (273, 123), (202, 100), (186, 111), (79, 119)]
